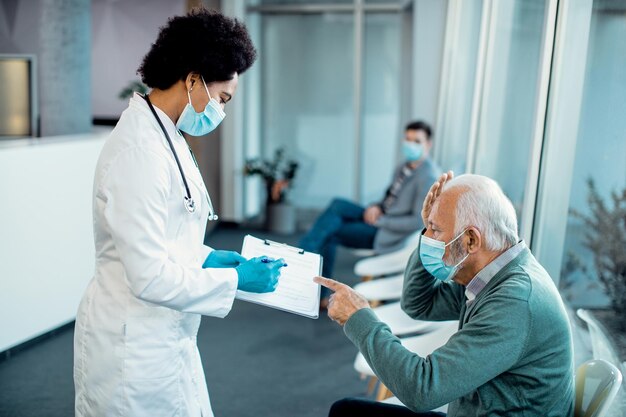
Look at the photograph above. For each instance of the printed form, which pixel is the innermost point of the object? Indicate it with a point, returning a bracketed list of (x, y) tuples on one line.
[(296, 292)]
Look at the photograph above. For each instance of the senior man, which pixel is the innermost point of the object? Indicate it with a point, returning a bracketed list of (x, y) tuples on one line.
[(512, 354)]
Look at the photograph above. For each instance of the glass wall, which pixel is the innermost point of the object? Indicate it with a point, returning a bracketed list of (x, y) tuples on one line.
[(546, 120), (312, 119), (580, 226), (329, 92), (381, 131), (458, 84), (586, 239), (509, 97)]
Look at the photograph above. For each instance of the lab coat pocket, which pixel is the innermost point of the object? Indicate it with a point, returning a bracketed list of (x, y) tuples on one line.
[(150, 349), (154, 397)]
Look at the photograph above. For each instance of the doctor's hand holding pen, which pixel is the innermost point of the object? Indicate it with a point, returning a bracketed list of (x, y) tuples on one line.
[(259, 274)]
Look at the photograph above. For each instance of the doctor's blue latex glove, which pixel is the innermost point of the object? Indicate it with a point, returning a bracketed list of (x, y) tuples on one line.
[(259, 274), (223, 259)]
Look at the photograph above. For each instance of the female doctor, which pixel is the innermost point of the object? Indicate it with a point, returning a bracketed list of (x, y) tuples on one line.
[(135, 350)]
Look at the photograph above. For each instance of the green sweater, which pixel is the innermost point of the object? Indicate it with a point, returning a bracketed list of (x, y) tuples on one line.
[(512, 355)]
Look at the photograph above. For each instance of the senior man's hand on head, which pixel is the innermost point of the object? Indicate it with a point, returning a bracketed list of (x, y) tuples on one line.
[(344, 302), (433, 194)]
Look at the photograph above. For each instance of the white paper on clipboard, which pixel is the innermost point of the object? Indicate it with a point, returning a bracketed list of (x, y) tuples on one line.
[(296, 292)]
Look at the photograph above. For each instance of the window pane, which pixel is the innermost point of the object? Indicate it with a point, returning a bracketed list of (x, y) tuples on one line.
[(453, 130), (307, 101), (381, 99), (296, 2), (508, 107), (600, 151)]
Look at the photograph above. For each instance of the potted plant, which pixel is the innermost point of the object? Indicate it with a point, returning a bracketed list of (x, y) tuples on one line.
[(131, 88), (277, 174), (605, 237)]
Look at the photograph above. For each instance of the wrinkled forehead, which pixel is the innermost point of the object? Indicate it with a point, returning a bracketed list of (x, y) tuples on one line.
[(443, 213)]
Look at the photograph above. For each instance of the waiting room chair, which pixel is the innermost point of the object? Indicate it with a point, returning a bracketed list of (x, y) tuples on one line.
[(382, 289), (362, 253), (423, 345), (396, 401), (597, 384), (400, 323), (600, 343), (389, 263)]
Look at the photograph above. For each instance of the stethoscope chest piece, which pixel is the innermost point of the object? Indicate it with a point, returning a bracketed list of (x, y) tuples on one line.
[(190, 205)]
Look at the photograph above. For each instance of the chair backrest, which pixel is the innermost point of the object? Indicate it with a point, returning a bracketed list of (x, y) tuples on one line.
[(597, 384), (388, 263), (601, 345), (413, 240)]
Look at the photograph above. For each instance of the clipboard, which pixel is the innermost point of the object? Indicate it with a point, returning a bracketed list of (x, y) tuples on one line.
[(296, 292)]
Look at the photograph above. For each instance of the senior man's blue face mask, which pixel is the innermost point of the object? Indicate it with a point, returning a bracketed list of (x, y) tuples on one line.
[(431, 255)]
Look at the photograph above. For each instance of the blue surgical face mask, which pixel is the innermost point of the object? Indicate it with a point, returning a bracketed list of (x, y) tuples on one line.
[(412, 151), (431, 254), (200, 124)]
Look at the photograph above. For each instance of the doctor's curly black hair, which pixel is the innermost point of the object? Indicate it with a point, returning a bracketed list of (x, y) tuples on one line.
[(203, 41)]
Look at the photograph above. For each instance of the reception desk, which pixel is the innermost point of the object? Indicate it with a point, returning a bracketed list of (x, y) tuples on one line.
[(46, 248)]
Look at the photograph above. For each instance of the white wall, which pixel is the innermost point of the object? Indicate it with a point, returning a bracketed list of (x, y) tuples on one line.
[(17, 20), (46, 248), (123, 32)]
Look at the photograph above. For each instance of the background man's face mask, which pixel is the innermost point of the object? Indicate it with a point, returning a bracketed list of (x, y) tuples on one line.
[(431, 254), (412, 151), (200, 124)]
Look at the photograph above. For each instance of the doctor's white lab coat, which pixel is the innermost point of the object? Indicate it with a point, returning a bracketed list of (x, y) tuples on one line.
[(135, 350)]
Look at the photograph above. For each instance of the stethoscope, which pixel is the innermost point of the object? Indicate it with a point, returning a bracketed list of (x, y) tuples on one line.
[(188, 201)]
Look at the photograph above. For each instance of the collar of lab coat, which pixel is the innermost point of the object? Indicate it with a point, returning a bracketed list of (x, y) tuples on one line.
[(137, 101)]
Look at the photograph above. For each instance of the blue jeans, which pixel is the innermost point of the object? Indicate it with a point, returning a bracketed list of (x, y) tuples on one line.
[(340, 224)]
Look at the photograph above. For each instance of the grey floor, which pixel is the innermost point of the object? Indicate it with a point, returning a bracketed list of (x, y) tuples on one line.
[(257, 361)]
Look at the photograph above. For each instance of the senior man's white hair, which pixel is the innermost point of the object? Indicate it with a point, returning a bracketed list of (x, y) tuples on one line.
[(482, 204)]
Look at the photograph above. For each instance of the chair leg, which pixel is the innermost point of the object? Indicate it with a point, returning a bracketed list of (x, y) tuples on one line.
[(383, 392), (371, 385)]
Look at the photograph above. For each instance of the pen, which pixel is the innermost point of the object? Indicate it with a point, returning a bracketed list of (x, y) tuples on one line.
[(268, 260)]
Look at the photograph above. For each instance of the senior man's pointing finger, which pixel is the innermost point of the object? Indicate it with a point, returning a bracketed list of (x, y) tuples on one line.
[(344, 302)]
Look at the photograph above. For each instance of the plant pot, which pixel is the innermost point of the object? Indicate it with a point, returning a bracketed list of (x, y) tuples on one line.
[(281, 218)]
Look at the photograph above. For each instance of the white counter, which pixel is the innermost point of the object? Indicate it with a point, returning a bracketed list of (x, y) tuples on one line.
[(46, 243)]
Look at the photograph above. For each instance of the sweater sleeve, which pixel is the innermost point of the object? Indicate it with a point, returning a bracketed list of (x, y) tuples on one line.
[(426, 298), (490, 344)]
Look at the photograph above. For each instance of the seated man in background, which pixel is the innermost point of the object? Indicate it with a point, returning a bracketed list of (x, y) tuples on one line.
[(512, 354), (385, 225)]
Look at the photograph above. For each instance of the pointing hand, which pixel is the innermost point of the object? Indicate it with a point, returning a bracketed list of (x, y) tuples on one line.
[(344, 302)]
